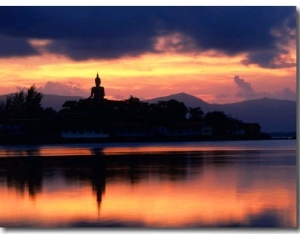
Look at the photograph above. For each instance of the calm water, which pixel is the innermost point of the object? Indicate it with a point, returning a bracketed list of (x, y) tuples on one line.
[(165, 185)]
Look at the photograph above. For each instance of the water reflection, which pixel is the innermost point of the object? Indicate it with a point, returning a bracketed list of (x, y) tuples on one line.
[(24, 175), (223, 188)]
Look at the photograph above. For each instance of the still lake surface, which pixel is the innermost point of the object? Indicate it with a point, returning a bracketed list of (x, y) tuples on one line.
[(150, 185)]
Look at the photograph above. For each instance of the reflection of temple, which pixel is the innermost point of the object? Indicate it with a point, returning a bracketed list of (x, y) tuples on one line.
[(98, 177), (26, 174)]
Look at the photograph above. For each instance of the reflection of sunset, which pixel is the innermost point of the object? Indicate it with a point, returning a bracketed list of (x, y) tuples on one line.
[(210, 201), (215, 197), (64, 151), (48, 209)]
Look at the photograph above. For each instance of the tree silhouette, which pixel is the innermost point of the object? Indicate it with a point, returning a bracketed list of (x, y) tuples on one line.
[(223, 125), (33, 102), (195, 113), (218, 120), (13, 106), (170, 110), (21, 105), (176, 110), (135, 106)]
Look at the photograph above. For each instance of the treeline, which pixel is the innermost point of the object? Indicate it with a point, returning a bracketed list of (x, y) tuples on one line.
[(24, 112), (24, 105), (170, 114), (133, 109)]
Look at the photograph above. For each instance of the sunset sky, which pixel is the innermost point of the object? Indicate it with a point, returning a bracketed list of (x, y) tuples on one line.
[(218, 54)]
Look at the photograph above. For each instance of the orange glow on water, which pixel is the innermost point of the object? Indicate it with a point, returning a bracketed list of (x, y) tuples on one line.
[(208, 202)]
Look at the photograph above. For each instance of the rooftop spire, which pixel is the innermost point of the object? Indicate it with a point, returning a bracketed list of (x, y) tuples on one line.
[(97, 78)]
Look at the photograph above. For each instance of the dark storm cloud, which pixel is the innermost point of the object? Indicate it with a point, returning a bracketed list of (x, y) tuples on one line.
[(268, 59), (111, 32), (10, 46), (84, 32)]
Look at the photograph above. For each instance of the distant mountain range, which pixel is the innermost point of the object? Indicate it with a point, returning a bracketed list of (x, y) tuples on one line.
[(272, 114), (56, 101)]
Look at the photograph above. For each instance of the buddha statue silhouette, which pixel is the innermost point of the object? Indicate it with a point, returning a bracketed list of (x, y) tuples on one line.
[(97, 92)]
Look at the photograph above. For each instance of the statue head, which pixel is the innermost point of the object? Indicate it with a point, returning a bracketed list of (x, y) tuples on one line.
[(97, 80)]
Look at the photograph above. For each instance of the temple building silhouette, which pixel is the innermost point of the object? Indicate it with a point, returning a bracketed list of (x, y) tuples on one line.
[(97, 118), (97, 92), (96, 97)]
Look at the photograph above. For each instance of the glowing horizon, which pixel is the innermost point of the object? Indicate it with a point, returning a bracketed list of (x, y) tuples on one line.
[(147, 76)]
